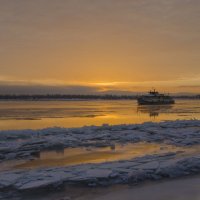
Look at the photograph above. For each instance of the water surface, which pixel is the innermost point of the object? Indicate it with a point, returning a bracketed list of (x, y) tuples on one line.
[(42, 114), (76, 156)]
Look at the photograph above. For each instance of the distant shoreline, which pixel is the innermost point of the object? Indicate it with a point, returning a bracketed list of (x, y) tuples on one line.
[(79, 97)]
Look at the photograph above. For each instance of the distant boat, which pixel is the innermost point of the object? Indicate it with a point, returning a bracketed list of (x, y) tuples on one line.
[(155, 98)]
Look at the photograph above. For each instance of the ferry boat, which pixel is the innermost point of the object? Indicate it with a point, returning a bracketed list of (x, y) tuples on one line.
[(155, 98)]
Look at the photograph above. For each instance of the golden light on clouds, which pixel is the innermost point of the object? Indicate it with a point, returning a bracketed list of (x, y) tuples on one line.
[(106, 45)]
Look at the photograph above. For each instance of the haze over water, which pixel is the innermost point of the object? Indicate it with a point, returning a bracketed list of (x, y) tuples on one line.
[(43, 114)]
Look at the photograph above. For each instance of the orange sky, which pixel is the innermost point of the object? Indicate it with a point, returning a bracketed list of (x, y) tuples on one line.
[(126, 44)]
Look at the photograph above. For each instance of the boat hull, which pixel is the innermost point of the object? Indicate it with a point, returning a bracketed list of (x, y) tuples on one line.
[(151, 101)]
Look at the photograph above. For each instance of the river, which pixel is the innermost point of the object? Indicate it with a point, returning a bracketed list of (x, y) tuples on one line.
[(43, 114)]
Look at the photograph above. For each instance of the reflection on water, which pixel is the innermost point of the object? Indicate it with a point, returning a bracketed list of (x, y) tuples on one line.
[(42, 114), (154, 110), (75, 156)]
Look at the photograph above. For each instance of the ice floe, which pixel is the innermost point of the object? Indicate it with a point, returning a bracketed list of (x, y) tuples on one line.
[(26, 144)]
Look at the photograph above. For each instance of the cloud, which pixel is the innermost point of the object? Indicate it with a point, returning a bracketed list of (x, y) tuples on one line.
[(10, 85), (36, 89)]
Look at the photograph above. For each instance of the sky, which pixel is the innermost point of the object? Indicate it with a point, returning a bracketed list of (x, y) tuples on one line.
[(99, 46)]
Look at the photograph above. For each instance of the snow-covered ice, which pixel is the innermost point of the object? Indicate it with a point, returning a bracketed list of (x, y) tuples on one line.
[(25, 144)]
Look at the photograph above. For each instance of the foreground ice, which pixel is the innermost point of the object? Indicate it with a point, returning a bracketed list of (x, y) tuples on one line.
[(16, 145), (179, 189)]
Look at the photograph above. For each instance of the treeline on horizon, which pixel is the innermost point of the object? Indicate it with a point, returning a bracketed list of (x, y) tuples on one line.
[(65, 97), (81, 97)]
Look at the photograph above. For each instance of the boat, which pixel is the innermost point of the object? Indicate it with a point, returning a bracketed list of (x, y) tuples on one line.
[(155, 98)]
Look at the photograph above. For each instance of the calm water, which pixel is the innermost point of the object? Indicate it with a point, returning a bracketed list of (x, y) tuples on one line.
[(75, 156), (42, 114)]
